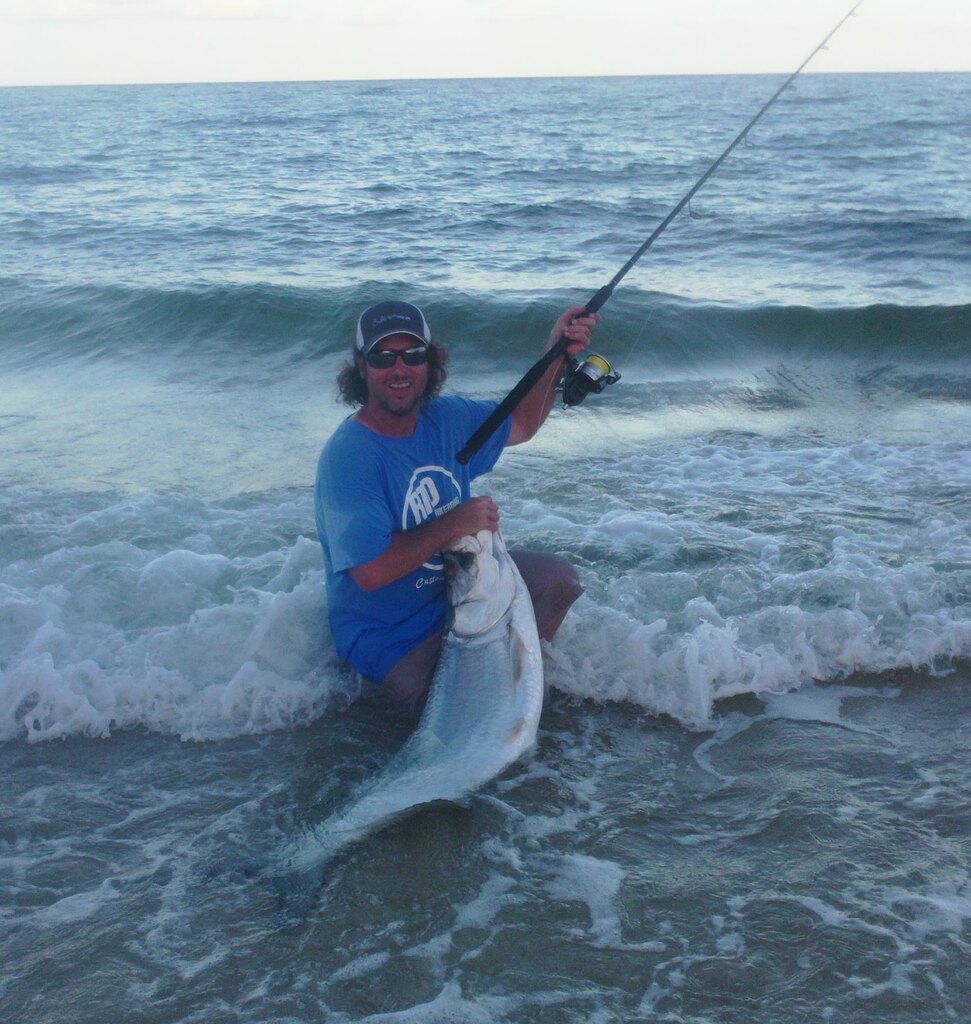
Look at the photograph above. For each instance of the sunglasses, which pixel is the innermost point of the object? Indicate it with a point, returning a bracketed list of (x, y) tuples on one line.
[(384, 359)]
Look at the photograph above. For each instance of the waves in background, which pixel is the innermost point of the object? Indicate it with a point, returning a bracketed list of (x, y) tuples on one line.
[(774, 500), (184, 267)]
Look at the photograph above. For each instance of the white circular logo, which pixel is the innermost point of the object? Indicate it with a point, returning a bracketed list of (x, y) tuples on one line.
[(432, 491)]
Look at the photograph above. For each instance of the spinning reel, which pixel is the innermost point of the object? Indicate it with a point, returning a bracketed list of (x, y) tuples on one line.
[(589, 377)]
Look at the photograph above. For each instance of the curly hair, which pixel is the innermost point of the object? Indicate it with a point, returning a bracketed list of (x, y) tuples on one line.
[(352, 388)]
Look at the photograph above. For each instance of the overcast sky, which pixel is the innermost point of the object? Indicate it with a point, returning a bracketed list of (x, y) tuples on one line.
[(55, 42)]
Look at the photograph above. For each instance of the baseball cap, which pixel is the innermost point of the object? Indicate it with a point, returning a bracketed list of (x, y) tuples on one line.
[(391, 317)]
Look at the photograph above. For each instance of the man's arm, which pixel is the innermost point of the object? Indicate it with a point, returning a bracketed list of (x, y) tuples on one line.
[(412, 548), (532, 411)]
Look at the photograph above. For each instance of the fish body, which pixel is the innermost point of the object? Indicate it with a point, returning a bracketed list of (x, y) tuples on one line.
[(482, 711)]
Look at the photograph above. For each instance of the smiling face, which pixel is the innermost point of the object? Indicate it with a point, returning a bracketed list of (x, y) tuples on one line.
[(395, 394)]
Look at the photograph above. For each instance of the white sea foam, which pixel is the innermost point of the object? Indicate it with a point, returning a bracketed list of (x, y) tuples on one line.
[(595, 882), (172, 643), (717, 569), (77, 907), (835, 573), (171, 636)]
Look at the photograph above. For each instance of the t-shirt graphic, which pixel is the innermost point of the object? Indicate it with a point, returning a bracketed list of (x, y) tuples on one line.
[(432, 491)]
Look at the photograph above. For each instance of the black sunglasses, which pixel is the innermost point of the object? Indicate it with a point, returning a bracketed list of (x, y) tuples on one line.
[(385, 359)]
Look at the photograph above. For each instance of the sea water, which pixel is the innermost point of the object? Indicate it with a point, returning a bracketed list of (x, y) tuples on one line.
[(750, 796)]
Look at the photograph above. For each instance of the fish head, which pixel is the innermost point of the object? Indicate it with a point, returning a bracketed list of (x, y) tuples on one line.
[(481, 583)]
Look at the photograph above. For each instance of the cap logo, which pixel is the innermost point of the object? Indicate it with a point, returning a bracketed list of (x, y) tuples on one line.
[(391, 316), (380, 321)]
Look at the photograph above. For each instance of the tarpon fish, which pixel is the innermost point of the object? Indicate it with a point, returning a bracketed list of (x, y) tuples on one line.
[(482, 711)]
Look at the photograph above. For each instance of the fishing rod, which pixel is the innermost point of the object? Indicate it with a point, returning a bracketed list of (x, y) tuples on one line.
[(595, 373)]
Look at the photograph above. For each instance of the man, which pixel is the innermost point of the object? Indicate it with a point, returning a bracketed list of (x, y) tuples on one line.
[(390, 496)]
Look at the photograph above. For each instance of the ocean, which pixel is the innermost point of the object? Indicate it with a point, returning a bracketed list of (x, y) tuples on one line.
[(751, 796)]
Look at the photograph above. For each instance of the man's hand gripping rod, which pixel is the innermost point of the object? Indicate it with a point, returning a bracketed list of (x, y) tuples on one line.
[(528, 381)]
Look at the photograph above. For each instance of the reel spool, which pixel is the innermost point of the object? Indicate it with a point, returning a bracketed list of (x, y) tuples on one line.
[(589, 377)]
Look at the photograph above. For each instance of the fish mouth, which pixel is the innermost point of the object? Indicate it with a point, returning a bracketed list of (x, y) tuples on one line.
[(455, 560)]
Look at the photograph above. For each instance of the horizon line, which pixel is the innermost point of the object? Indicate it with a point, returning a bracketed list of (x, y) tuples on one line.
[(467, 78)]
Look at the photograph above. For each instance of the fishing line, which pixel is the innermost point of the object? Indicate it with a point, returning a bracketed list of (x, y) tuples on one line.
[(597, 370)]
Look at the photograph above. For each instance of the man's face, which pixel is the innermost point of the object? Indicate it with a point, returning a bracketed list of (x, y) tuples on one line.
[(399, 389)]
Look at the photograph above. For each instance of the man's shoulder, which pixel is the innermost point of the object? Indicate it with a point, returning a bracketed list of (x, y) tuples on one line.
[(445, 407), (350, 435), (345, 445), (452, 419), (344, 429)]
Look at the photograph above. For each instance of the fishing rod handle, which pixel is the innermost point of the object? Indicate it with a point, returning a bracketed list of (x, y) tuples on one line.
[(528, 381)]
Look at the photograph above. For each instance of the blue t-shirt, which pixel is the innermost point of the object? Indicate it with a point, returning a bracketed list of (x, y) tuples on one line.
[(370, 486)]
